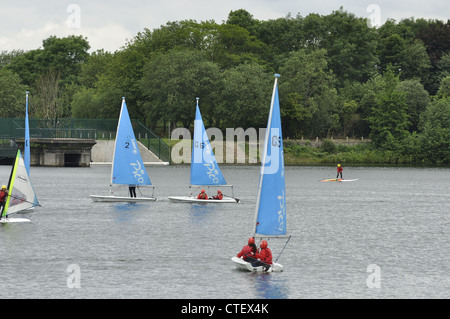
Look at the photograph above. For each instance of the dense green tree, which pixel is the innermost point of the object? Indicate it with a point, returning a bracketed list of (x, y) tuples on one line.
[(436, 38), (7, 57), (392, 52), (435, 138), (444, 89), (243, 19), (172, 81), (281, 36), (12, 95), (417, 99), (63, 55), (308, 93), (351, 46), (232, 45), (389, 119), (244, 100)]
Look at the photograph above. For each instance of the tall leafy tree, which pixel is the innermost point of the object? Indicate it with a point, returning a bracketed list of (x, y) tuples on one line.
[(351, 46), (172, 81), (389, 119), (245, 97), (435, 137), (308, 92), (417, 99), (12, 95), (244, 19)]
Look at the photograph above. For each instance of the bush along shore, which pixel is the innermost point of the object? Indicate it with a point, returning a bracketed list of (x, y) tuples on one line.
[(362, 153)]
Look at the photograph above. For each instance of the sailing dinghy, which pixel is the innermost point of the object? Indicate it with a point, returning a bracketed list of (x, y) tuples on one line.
[(127, 167), (270, 213), (21, 195), (205, 171)]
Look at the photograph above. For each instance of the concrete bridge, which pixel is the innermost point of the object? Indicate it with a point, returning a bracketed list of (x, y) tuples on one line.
[(63, 152), (75, 142)]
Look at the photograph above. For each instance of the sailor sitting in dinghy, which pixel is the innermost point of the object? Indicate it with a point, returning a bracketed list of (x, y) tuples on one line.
[(249, 251), (219, 195), (264, 257), (202, 195)]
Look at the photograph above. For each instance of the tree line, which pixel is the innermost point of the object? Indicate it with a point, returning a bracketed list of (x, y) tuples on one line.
[(339, 77)]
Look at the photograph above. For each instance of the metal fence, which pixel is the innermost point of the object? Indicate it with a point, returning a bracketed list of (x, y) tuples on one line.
[(14, 128)]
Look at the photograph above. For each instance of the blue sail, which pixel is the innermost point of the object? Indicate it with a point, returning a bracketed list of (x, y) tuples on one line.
[(270, 217), (204, 167), (128, 167), (26, 152)]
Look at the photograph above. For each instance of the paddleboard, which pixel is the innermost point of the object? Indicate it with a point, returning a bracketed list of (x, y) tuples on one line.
[(339, 180)]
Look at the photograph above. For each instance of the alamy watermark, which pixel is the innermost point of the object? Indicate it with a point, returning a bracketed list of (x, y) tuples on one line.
[(74, 19), (374, 18), (74, 278), (235, 145), (374, 279)]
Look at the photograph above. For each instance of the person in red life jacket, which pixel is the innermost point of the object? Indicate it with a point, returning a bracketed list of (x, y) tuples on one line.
[(202, 195), (3, 197), (219, 195), (265, 255), (339, 171), (249, 251)]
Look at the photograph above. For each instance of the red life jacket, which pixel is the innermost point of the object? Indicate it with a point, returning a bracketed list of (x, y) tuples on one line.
[(218, 197), (339, 169), (3, 195), (202, 196), (265, 255), (246, 251)]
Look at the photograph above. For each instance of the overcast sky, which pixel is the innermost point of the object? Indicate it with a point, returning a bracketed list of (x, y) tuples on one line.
[(108, 24)]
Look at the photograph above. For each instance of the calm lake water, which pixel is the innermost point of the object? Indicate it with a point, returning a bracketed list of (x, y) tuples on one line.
[(389, 230)]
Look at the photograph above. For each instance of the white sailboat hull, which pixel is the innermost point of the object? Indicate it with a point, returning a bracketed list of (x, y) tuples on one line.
[(116, 199), (192, 199), (241, 264)]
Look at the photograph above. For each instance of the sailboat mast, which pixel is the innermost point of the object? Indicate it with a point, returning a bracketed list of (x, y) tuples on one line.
[(26, 146), (266, 144)]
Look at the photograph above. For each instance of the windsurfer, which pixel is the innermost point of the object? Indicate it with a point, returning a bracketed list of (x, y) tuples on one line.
[(3, 196), (202, 195), (249, 251), (339, 170)]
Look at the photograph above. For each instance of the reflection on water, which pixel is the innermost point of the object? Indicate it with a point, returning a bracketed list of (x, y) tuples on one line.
[(200, 210), (270, 286), (124, 212)]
